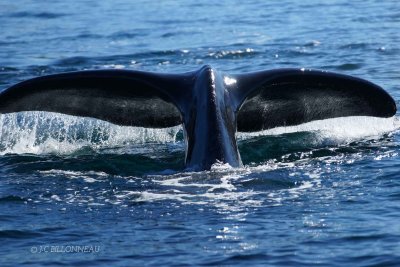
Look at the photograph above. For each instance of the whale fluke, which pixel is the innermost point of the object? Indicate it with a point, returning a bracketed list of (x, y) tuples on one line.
[(211, 105), (287, 97), (129, 98)]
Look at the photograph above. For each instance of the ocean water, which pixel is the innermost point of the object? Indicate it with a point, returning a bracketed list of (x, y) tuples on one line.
[(82, 192)]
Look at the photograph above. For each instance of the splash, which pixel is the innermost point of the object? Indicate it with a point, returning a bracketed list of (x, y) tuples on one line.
[(45, 132)]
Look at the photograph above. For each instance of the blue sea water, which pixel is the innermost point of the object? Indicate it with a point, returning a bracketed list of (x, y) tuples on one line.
[(321, 194)]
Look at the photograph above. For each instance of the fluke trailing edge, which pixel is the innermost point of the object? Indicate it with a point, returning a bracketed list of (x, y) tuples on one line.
[(210, 104)]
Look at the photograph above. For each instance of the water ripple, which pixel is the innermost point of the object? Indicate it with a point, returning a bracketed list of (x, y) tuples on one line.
[(322, 194), (39, 15)]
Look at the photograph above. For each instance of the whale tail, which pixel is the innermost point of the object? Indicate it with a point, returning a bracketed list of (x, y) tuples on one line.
[(245, 102)]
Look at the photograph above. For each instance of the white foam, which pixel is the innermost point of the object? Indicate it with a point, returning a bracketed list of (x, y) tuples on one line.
[(342, 129), (219, 192)]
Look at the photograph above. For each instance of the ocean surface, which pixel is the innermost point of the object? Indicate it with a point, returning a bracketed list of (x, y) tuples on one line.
[(82, 192)]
